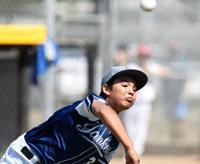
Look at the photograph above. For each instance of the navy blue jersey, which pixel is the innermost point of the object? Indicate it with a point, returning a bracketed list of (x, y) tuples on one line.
[(73, 134)]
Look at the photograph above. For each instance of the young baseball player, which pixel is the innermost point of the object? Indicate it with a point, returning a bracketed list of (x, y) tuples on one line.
[(85, 132)]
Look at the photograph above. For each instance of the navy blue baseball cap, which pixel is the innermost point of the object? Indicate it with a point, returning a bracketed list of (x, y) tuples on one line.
[(138, 75)]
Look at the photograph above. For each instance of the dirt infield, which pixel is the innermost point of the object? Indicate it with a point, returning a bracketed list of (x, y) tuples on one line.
[(164, 159)]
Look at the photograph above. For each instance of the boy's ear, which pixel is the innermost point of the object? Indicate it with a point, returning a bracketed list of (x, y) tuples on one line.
[(106, 89)]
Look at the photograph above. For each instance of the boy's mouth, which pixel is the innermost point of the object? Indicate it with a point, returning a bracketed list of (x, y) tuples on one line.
[(129, 99)]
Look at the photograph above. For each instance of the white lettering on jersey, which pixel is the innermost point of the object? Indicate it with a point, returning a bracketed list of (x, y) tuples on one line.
[(95, 136)]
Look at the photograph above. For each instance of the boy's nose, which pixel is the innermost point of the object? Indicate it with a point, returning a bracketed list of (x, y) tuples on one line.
[(131, 91)]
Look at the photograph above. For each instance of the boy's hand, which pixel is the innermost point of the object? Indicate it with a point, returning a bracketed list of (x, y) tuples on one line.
[(132, 157)]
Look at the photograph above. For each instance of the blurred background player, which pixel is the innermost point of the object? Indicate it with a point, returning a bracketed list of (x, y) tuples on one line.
[(121, 56), (137, 119)]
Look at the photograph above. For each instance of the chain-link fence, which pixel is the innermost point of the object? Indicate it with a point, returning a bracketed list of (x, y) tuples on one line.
[(173, 24), (170, 31)]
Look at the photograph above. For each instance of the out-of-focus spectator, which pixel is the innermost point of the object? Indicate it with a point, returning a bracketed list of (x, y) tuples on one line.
[(121, 56)]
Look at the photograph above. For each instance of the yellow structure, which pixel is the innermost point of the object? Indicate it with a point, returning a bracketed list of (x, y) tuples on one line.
[(15, 34)]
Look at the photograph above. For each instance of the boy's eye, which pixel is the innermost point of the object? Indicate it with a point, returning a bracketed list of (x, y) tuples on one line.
[(125, 84)]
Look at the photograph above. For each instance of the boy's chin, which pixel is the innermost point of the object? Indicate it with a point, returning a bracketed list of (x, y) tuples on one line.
[(126, 108)]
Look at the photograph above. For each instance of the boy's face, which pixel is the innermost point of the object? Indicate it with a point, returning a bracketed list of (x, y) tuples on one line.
[(122, 93)]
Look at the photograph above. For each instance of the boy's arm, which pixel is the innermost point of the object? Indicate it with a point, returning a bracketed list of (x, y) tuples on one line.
[(111, 119)]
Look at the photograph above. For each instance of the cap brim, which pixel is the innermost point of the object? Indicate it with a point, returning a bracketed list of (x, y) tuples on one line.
[(139, 77)]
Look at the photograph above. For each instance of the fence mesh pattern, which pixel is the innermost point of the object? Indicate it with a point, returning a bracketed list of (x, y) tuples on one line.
[(169, 33)]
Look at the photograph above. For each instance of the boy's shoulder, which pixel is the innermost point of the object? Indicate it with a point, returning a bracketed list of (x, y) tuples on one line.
[(93, 97)]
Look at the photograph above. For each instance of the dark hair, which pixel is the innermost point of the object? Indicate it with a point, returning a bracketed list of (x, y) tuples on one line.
[(109, 84), (102, 94)]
